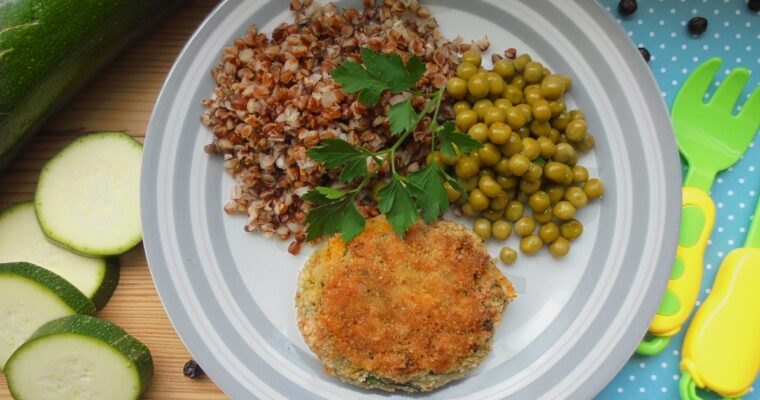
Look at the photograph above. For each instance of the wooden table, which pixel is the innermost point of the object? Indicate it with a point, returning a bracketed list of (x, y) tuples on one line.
[(121, 97)]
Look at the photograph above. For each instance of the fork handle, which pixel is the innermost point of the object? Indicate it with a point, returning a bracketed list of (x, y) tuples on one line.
[(698, 218)]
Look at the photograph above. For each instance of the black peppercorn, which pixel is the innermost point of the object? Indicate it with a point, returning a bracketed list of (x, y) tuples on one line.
[(754, 5), (627, 7), (645, 53), (192, 370), (697, 25)]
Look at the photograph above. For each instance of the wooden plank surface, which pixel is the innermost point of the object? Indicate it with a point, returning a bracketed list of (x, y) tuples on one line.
[(121, 97)]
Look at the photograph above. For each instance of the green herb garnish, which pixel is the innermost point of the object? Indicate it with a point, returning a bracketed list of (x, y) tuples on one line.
[(402, 198)]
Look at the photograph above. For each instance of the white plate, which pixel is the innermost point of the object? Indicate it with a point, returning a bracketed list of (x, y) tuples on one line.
[(230, 294)]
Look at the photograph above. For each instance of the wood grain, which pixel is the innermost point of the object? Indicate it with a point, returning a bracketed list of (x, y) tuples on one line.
[(121, 97)]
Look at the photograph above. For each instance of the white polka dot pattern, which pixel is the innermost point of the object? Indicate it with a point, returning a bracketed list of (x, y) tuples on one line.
[(732, 35)]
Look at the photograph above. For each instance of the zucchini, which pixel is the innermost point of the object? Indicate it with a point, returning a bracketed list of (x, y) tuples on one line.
[(48, 49), (23, 240), (88, 195), (79, 357), (29, 297)]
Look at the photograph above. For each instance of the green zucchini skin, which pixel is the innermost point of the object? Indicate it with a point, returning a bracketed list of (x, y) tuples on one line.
[(48, 50)]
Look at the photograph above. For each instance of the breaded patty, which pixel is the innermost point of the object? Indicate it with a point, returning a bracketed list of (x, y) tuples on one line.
[(392, 314)]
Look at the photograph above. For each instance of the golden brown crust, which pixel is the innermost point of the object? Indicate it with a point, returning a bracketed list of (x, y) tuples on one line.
[(400, 310)]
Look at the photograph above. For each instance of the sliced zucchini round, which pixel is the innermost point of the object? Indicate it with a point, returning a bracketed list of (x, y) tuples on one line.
[(88, 195), (23, 240), (80, 357), (29, 297)]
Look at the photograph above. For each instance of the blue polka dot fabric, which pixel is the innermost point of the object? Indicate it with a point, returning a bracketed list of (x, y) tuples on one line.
[(733, 34)]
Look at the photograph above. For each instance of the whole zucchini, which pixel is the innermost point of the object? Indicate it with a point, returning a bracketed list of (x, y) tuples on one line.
[(49, 48)]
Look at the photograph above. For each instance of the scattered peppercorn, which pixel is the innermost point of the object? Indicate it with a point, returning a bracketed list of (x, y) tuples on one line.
[(697, 25), (645, 53), (627, 7), (754, 5), (192, 370)]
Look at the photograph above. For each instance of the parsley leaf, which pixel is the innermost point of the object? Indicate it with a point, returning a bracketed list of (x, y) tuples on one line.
[(449, 137), (397, 204), (334, 153), (354, 78), (330, 193), (391, 69), (402, 117), (336, 216), (454, 182), (432, 198)]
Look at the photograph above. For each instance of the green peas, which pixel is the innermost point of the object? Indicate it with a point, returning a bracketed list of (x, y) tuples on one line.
[(577, 114), (571, 229), (554, 135), (466, 167), (518, 164), (563, 210), (451, 193), (576, 196), (526, 111), (507, 182), (543, 217), (533, 72), (478, 87), (541, 110), (513, 94), (481, 106), (501, 230), (594, 188), (507, 255), (534, 174), (503, 104), (548, 232), (552, 87), (456, 87), (495, 83), (489, 154), (466, 119), (521, 61), (530, 148), (488, 186), (471, 183), (576, 130), (556, 193), (499, 132), (504, 68), (513, 145), (466, 70), (532, 94), (494, 114), (529, 187), (557, 106), (546, 146), (492, 215), (473, 57), (468, 211), (531, 244), (460, 106), (515, 118), (518, 81), (482, 228), (502, 167), (557, 172), (479, 132), (500, 201), (539, 128), (376, 190), (564, 153), (539, 201), (567, 80), (559, 247), (580, 174), (587, 143), (478, 200), (525, 226), (514, 210)]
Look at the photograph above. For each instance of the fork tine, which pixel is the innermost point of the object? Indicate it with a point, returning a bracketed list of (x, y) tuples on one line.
[(698, 82), (751, 107), (730, 89)]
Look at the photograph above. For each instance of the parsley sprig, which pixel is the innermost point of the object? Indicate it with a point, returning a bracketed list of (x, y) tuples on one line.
[(403, 198)]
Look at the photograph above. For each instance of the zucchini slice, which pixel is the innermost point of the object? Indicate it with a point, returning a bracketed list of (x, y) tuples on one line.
[(88, 195), (80, 357), (29, 297), (23, 240)]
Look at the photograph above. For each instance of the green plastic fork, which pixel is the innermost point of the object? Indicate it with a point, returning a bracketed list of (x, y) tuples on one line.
[(711, 139)]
